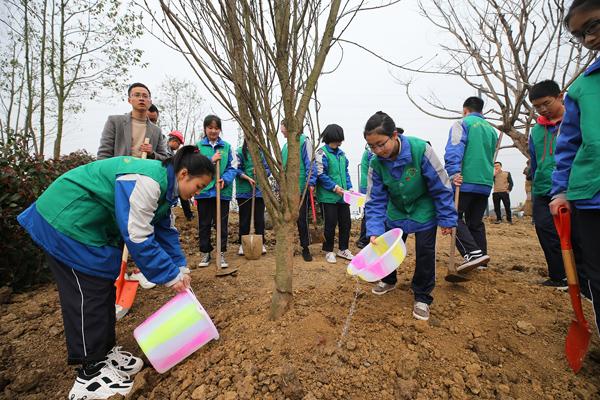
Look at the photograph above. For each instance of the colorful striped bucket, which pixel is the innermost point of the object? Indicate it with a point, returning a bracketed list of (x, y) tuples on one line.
[(355, 199), (375, 262), (175, 331)]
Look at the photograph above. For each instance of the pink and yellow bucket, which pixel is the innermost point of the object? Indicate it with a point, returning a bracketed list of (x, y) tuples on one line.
[(355, 199), (378, 260), (175, 331)]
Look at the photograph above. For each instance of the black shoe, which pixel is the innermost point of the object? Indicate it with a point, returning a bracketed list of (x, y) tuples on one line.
[(498, 221), (560, 285), (306, 254), (472, 261), (190, 217), (360, 244)]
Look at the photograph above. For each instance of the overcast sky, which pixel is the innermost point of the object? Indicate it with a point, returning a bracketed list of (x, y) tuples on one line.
[(360, 86)]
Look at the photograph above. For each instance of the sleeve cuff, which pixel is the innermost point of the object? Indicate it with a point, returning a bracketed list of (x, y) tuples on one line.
[(174, 281), (561, 195)]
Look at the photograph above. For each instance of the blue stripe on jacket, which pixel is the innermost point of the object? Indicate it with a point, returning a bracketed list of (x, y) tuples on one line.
[(323, 177)]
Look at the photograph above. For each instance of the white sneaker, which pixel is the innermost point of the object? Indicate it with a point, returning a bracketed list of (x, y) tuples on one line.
[(241, 251), (347, 254), (421, 311), (204, 260), (103, 384), (223, 262), (330, 257), (125, 363), (264, 250), (144, 283)]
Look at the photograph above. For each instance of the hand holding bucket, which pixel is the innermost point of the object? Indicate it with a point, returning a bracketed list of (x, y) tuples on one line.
[(379, 259)]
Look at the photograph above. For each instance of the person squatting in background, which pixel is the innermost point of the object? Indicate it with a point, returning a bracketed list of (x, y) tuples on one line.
[(575, 180), (469, 161), (244, 183), (333, 179), (408, 188), (308, 176), (81, 221), (215, 148)]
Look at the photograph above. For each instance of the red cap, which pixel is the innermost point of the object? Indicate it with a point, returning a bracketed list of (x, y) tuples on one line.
[(177, 135)]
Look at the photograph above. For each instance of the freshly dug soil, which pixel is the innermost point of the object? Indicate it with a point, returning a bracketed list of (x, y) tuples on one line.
[(499, 336)]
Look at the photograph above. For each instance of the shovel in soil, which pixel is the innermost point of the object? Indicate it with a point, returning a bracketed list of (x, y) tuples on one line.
[(126, 289), (579, 334), (220, 271), (315, 233), (252, 244), (452, 275)]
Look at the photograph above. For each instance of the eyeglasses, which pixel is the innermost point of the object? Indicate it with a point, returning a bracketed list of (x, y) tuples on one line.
[(379, 146), (545, 105), (138, 95), (592, 28)]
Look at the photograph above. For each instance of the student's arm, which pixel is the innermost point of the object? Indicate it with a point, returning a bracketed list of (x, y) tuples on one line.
[(305, 157), (510, 182), (455, 148), (532, 157), (438, 184), (364, 171), (322, 166), (348, 179), (230, 172), (107, 141), (136, 200), (567, 144), (376, 205)]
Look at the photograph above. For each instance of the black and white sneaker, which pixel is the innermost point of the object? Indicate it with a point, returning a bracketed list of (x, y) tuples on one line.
[(559, 285), (101, 385), (472, 261), (125, 363)]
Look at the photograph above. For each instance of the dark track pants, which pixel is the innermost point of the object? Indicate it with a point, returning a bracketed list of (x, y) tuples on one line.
[(470, 232), (336, 214), (207, 218)]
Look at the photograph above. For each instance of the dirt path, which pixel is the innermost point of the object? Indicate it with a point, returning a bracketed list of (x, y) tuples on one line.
[(500, 336)]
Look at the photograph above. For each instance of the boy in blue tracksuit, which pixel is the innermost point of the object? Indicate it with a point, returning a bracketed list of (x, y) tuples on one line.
[(469, 162), (409, 189), (307, 176), (576, 181), (215, 148), (333, 179)]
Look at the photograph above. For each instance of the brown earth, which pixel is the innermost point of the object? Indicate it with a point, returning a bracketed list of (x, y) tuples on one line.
[(499, 336)]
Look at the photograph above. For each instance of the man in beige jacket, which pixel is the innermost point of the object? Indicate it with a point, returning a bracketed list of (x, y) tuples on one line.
[(503, 184)]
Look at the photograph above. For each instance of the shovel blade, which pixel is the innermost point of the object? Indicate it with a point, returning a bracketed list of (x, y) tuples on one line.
[(252, 245), (128, 293), (316, 235), (577, 344), (226, 271), (454, 278)]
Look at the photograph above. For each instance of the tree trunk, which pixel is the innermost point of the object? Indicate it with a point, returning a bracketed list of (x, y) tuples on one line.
[(282, 298), (60, 94)]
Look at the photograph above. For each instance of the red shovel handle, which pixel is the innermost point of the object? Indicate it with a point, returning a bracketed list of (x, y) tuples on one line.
[(562, 221), (312, 205)]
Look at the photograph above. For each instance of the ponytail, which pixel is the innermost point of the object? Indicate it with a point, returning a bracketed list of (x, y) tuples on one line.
[(189, 157)]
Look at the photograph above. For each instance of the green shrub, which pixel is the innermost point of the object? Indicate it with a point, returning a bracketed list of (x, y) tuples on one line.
[(23, 177)]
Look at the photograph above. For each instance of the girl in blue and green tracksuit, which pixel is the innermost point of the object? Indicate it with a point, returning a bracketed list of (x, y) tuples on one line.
[(244, 182), (215, 148), (333, 179), (576, 181), (408, 188), (307, 177), (81, 222)]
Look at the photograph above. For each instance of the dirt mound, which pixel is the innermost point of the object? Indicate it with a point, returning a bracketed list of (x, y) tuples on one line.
[(500, 336)]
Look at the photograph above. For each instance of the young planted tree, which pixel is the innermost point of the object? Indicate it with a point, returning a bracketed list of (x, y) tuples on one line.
[(180, 107), (261, 60)]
